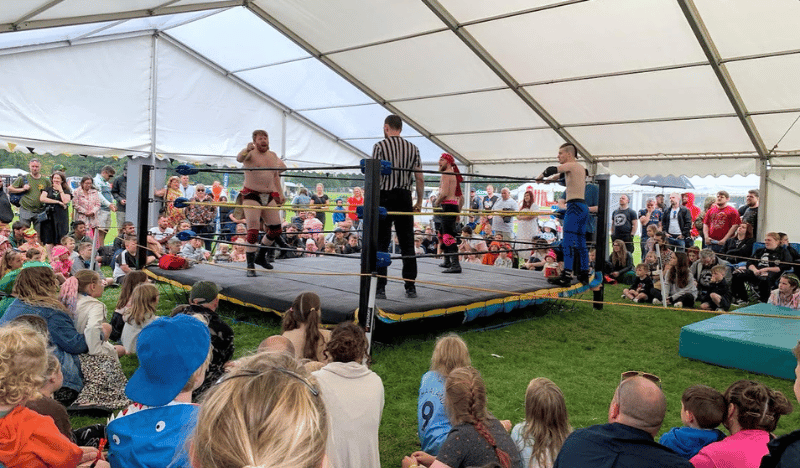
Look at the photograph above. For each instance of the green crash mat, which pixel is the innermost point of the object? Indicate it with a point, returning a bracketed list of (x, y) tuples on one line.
[(757, 342)]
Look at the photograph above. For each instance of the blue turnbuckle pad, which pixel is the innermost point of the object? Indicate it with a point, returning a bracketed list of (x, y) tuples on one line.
[(186, 235), (384, 259), (180, 202), (185, 169), (386, 167), (382, 212)]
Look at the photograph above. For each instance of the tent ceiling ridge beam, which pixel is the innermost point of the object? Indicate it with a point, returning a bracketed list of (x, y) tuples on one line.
[(522, 12), (273, 64), (76, 42), (283, 107), (712, 54), (122, 15), (779, 53), (452, 93), (291, 35), (467, 38), (777, 111), (163, 5), (338, 106), (498, 162), (653, 120), (617, 73), (367, 45), (492, 131), (96, 30), (34, 13)]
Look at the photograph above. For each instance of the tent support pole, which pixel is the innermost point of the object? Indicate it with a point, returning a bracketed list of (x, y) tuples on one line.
[(601, 240), (762, 195), (369, 257)]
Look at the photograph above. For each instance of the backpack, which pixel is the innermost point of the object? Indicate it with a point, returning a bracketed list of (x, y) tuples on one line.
[(15, 198)]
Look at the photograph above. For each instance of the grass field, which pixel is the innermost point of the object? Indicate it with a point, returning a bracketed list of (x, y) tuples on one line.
[(581, 349)]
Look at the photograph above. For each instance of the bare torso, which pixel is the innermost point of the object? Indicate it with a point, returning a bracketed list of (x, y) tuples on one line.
[(262, 181), (575, 176), (447, 188)]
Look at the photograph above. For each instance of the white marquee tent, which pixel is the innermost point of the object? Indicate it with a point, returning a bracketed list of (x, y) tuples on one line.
[(695, 87)]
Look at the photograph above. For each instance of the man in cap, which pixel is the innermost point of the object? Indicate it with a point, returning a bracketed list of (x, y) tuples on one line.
[(204, 300), (173, 357), (449, 199)]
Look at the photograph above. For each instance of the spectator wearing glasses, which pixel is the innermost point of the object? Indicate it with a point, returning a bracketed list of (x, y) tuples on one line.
[(634, 418)]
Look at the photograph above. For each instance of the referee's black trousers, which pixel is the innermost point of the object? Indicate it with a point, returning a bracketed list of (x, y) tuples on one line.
[(398, 200)]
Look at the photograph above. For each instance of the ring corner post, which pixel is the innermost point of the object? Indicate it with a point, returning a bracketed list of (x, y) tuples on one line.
[(601, 241), (369, 250), (143, 210)]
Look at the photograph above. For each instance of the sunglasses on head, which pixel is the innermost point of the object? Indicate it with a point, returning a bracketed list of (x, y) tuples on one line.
[(632, 373)]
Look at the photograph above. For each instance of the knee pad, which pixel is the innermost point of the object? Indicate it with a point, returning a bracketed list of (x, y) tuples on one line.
[(252, 236), (448, 240), (274, 231)]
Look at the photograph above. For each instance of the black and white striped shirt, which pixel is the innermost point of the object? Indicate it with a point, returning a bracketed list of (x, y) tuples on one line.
[(401, 154)]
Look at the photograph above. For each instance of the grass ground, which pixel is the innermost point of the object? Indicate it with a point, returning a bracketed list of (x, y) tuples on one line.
[(581, 349)]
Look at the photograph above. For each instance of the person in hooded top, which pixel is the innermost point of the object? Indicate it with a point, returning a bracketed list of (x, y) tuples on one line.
[(687, 199), (353, 397)]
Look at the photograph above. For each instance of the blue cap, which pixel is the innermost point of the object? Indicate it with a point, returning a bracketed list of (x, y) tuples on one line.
[(170, 350)]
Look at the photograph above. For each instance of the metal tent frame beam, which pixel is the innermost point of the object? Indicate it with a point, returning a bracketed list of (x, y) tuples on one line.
[(351, 79), (444, 15), (712, 54)]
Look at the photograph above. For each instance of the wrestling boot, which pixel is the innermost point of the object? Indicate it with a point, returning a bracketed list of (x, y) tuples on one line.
[(270, 254), (261, 258), (446, 263), (455, 266), (584, 277), (565, 279), (251, 267)]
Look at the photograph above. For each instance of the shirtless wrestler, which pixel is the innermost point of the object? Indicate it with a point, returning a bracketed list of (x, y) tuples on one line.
[(576, 216), (261, 188)]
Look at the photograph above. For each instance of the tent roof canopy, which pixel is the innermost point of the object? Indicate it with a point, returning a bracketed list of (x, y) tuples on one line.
[(638, 87)]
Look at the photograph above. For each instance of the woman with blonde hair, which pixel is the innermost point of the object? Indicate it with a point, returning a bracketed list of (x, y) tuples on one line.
[(620, 262), (36, 292), (302, 325), (477, 437), (433, 425), (171, 193), (540, 437), (132, 279), (268, 411)]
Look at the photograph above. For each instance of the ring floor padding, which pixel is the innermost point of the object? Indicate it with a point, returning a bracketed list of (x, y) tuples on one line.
[(752, 343), (274, 291)]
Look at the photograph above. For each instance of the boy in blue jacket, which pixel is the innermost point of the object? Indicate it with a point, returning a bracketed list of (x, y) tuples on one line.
[(702, 410)]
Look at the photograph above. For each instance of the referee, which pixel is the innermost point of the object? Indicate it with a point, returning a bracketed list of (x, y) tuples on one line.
[(396, 196)]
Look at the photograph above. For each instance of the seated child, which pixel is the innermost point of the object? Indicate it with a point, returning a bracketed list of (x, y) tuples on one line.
[(535, 261), (352, 246), (787, 294), (717, 295), (173, 356), (330, 248), (592, 260), (640, 289), (172, 259), (548, 233), (491, 256), (223, 254), (702, 410), (418, 248), (239, 254), (194, 251), (551, 269), (339, 212), (61, 263), (30, 439), (33, 255), (83, 261), (311, 246), (142, 312), (504, 259), (125, 261)]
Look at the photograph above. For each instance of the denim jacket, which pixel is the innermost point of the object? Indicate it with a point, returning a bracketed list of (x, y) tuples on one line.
[(64, 337)]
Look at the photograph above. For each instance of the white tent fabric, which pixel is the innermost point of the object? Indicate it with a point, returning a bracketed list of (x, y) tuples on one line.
[(696, 87)]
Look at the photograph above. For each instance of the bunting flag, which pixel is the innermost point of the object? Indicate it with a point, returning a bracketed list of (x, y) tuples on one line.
[(11, 146)]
